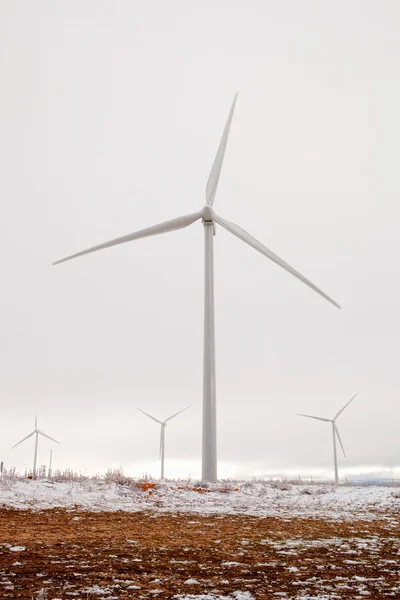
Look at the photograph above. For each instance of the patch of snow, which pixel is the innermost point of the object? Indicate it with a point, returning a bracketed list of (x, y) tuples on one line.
[(260, 499), (238, 595)]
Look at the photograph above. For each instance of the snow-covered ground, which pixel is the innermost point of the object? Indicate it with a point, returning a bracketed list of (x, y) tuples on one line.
[(251, 498), (339, 559)]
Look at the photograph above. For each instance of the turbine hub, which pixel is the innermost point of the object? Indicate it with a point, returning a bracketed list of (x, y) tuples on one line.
[(207, 214)]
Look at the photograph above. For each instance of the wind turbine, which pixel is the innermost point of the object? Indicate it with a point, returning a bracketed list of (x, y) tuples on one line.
[(209, 219), (37, 432), (162, 435), (335, 433)]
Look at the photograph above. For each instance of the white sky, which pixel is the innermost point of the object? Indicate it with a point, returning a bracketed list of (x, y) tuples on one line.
[(110, 117)]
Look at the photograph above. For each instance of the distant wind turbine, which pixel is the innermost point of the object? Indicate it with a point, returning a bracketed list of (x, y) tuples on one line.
[(162, 434), (210, 219), (37, 432), (335, 433)]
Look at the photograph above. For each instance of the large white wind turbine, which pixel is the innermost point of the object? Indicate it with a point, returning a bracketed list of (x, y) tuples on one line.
[(335, 433), (209, 219), (162, 434), (36, 432)]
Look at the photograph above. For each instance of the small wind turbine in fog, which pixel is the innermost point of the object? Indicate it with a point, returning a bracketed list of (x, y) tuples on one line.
[(335, 433), (162, 435), (37, 432), (210, 219)]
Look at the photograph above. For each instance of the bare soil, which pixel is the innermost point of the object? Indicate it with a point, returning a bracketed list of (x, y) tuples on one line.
[(75, 554)]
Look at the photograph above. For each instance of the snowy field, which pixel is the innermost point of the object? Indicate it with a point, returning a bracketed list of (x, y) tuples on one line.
[(261, 499)]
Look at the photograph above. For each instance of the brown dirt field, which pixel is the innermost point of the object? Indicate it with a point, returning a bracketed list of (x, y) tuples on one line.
[(68, 553)]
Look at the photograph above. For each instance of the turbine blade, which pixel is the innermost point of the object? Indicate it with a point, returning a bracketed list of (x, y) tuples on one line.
[(176, 414), (342, 409), (338, 437), (36, 422), (215, 172), (47, 436), (249, 239), (318, 418), (25, 438), (154, 419), (165, 227)]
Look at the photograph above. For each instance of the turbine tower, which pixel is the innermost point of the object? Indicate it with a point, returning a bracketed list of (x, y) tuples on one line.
[(36, 432), (335, 433), (50, 472), (210, 219), (162, 435)]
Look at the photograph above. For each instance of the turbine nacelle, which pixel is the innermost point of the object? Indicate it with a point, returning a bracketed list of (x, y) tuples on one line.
[(207, 214)]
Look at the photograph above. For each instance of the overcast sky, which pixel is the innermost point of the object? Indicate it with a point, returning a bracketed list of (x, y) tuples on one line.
[(110, 116)]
